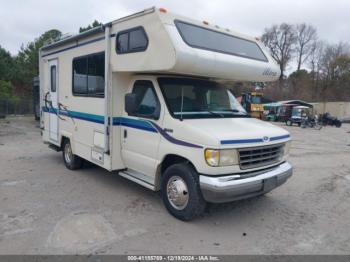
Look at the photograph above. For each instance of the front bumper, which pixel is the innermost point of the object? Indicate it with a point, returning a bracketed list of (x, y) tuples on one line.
[(232, 187)]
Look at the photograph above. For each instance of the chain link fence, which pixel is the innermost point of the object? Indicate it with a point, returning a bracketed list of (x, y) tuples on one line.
[(22, 105), (19, 106)]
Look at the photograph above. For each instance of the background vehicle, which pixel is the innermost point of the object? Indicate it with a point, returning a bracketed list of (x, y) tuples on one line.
[(298, 113), (311, 121), (36, 98), (252, 103), (327, 119)]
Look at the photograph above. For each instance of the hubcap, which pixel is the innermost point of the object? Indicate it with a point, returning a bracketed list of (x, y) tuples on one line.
[(177, 192), (68, 153)]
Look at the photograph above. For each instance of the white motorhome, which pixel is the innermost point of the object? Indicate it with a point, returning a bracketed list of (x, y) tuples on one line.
[(141, 96)]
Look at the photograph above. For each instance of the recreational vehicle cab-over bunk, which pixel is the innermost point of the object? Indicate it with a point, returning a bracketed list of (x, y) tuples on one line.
[(140, 96)]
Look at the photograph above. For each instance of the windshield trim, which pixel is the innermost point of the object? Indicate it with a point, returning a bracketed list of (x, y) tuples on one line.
[(206, 116)]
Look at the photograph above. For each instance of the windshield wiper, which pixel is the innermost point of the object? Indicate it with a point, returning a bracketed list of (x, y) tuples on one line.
[(235, 111), (215, 114)]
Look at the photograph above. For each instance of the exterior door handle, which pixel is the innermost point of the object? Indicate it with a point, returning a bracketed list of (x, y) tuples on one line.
[(125, 133)]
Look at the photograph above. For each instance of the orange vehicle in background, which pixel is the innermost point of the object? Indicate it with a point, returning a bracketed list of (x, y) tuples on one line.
[(252, 103)]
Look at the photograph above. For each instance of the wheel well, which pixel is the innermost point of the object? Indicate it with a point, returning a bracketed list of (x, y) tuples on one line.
[(171, 160), (168, 161), (62, 141)]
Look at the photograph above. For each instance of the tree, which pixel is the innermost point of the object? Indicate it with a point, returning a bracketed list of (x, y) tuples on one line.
[(27, 59), (315, 59), (306, 35), (7, 70), (93, 25), (280, 39)]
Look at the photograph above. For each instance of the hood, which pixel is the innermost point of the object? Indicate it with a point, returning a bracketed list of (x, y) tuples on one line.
[(232, 132)]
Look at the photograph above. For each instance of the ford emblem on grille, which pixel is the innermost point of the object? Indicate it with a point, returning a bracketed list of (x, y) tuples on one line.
[(266, 139)]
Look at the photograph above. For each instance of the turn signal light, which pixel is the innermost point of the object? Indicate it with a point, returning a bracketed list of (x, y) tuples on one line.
[(163, 10), (205, 22)]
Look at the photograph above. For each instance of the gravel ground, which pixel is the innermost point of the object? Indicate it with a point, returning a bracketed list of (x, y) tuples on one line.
[(47, 209)]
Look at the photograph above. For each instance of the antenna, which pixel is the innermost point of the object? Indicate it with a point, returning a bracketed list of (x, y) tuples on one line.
[(182, 102)]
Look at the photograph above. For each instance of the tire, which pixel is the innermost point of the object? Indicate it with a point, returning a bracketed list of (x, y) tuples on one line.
[(182, 177), (338, 124), (71, 161), (318, 126)]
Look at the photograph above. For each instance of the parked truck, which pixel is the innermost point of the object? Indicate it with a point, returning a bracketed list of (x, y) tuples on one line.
[(140, 96)]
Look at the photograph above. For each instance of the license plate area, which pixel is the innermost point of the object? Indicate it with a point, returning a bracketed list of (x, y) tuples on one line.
[(269, 184)]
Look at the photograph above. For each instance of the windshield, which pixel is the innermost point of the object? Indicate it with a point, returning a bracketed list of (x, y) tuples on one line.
[(300, 111), (193, 98)]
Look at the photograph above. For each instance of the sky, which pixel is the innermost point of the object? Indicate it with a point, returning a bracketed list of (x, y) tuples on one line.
[(24, 20)]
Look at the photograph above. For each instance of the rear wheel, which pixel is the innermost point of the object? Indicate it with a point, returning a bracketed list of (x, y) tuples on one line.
[(338, 123), (181, 192), (71, 161)]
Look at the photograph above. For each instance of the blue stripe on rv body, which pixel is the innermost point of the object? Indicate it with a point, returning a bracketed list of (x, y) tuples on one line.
[(134, 123), (148, 126), (78, 115)]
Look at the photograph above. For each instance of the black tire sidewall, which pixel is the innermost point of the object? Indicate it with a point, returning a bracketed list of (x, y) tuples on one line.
[(196, 204), (75, 162)]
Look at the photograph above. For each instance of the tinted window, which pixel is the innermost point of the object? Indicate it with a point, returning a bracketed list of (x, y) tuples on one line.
[(123, 43), (80, 76), (146, 99), (132, 40), (88, 75), (96, 72), (207, 39), (137, 39), (53, 79)]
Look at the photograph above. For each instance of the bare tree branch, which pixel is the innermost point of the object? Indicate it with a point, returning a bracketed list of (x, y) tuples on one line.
[(306, 35)]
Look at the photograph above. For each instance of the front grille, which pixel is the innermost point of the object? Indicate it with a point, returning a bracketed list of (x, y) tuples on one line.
[(253, 157)]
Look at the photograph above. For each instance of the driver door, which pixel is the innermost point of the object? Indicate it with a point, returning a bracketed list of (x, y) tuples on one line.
[(140, 138)]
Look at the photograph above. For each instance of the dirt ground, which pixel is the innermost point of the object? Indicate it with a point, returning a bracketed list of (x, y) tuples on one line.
[(47, 209)]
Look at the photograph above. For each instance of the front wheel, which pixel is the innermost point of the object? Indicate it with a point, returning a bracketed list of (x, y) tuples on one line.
[(318, 126), (181, 192)]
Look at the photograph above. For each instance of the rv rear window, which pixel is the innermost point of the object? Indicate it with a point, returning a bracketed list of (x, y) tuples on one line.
[(207, 39), (131, 40), (88, 75)]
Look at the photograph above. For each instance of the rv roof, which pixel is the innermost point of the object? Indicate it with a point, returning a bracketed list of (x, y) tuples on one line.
[(100, 29), (174, 45)]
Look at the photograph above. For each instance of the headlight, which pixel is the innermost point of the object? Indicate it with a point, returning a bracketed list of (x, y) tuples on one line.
[(223, 157), (287, 147)]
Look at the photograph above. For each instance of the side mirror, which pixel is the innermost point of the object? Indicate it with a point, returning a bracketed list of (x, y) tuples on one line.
[(130, 103)]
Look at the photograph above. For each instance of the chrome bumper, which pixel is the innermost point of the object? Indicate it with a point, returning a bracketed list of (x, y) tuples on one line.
[(230, 188)]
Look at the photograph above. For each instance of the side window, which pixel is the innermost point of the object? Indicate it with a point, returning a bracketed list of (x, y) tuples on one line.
[(89, 75), (123, 43), (147, 102), (53, 78), (131, 40)]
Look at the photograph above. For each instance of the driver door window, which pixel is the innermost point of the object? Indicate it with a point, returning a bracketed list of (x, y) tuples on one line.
[(146, 99)]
